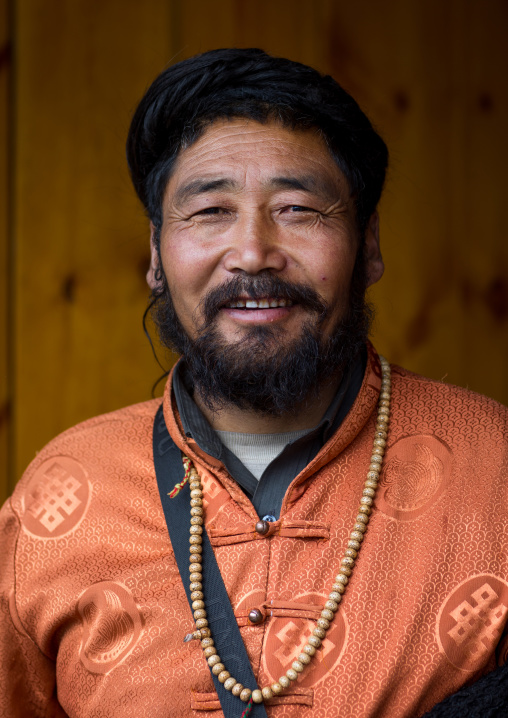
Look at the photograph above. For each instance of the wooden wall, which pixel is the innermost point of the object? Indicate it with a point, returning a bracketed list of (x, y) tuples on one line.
[(74, 242)]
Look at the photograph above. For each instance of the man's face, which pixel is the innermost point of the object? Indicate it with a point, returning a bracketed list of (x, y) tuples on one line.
[(259, 238)]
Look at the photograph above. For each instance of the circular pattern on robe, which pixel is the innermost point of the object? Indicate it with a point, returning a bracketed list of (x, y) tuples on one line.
[(56, 498), (112, 625), (471, 620), (286, 637), (415, 472)]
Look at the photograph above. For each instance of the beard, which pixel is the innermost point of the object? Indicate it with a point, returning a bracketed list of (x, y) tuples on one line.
[(263, 372)]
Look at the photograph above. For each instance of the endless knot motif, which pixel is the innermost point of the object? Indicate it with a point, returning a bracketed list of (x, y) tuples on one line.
[(471, 620), (479, 624), (56, 498), (287, 635)]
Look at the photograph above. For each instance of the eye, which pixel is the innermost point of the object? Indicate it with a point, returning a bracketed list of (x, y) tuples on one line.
[(299, 209), (212, 211)]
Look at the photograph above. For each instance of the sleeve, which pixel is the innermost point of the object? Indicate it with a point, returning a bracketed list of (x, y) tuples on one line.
[(27, 676)]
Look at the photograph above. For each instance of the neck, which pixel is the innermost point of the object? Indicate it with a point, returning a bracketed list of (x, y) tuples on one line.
[(232, 418)]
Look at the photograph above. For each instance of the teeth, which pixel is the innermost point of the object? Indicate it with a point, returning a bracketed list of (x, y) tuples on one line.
[(261, 303)]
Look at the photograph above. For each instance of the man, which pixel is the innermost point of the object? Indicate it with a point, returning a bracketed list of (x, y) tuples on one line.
[(353, 558)]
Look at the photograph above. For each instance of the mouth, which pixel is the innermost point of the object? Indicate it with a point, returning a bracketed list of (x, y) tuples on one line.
[(265, 303)]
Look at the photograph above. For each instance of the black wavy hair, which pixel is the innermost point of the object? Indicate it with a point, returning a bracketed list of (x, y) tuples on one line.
[(188, 96)]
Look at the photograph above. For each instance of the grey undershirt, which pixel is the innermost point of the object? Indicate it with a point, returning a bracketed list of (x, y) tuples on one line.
[(268, 492), (256, 451)]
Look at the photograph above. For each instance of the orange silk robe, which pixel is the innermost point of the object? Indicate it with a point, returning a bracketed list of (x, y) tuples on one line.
[(93, 612)]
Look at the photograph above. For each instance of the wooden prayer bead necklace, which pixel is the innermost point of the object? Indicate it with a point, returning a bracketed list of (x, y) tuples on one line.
[(203, 633)]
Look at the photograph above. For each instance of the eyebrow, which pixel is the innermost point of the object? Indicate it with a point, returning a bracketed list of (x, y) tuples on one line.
[(202, 186), (305, 183)]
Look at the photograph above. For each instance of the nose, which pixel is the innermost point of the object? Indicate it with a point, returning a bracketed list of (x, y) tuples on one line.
[(255, 246)]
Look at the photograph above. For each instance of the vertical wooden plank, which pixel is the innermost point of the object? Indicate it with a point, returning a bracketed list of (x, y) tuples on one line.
[(432, 81), (289, 28), (5, 364), (82, 240)]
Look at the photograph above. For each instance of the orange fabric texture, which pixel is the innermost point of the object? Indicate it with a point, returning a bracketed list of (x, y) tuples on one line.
[(93, 612)]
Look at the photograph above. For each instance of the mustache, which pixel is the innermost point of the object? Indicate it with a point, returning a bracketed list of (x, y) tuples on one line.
[(261, 287)]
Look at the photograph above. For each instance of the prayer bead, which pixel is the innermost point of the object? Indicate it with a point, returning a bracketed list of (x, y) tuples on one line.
[(284, 681), (276, 688), (229, 683), (304, 658), (257, 696), (327, 614), (292, 674), (223, 676), (237, 689), (339, 587), (267, 693), (245, 695), (356, 535), (218, 668), (297, 666)]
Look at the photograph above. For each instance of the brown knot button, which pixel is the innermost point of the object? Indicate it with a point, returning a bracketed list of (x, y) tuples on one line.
[(255, 616), (262, 527)]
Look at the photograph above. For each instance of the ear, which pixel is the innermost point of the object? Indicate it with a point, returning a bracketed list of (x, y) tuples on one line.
[(154, 260), (373, 260)]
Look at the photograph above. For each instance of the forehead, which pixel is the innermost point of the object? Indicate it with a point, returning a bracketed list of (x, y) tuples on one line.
[(246, 151)]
